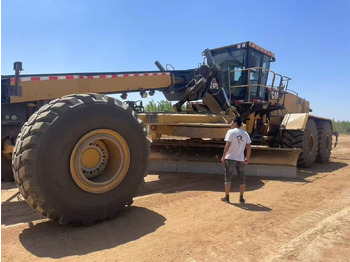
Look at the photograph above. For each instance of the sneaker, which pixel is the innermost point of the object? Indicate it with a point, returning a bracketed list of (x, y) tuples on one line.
[(225, 199), (241, 199)]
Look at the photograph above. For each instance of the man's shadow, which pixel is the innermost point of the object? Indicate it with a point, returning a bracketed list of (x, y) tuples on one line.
[(252, 207)]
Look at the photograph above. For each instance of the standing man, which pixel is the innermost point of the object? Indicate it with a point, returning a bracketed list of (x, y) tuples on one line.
[(237, 140)]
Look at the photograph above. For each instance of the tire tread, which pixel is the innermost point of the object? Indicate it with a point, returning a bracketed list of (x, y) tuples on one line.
[(26, 150)]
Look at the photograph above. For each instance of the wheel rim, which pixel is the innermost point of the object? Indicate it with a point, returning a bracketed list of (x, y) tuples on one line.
[(100, 161)]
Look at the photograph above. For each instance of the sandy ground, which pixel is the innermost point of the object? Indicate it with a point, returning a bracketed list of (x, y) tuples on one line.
[(181, 218)]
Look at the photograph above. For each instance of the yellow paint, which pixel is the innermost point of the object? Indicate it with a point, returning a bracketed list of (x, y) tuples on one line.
[(51, 89), (90, 158), (295, 121), (178, 119), (293, 106), (190, 131), (7, 148), (275, 156)]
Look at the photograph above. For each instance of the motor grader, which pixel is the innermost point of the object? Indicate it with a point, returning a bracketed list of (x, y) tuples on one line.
[(78, 156)]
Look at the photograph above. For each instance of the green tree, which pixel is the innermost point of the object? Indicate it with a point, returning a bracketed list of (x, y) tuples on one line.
[(160, 106), (151, 107), (164, 106), (341, 126)]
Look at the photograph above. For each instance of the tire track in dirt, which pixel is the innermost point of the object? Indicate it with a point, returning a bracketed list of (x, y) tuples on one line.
[(323, 235)]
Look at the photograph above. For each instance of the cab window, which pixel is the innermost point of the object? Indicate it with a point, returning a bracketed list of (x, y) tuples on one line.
[(231, 60), (264, 73), (255, 60)]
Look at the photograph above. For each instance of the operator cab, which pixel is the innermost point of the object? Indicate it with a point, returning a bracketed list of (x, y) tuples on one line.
[(245, 69)]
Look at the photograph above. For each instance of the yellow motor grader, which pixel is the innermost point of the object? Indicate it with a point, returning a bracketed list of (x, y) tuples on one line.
[(78, 155)]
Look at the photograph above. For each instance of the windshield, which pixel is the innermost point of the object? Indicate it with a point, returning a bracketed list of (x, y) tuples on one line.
[(228, 61), (233, 59)]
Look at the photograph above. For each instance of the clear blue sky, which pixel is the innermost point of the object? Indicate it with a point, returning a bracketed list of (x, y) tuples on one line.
[(311, 39)]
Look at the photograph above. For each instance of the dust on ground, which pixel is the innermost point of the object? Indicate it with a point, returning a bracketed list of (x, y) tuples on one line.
[(179, 217)]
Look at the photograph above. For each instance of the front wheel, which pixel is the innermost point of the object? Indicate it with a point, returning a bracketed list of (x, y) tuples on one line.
[(80, 159), (324, 141), (306, 140)]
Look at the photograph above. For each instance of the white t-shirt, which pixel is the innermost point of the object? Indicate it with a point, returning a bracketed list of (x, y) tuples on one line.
[(238, 138)]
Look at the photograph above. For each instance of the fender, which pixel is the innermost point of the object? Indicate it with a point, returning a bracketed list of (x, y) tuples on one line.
[(295, 121)]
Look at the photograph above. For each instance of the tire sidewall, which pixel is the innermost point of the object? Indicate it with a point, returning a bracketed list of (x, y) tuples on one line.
[(53, 176)]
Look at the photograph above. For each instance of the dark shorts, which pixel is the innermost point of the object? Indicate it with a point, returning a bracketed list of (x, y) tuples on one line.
[(230, 166)]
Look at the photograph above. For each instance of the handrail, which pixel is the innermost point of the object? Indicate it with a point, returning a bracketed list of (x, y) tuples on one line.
[(280, 87)]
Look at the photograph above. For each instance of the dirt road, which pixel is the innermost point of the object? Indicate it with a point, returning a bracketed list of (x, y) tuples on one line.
[(181, 218)]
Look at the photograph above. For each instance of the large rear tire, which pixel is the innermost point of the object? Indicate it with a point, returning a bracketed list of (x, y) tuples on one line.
[(324, 141), (307, 140), (80, 159)]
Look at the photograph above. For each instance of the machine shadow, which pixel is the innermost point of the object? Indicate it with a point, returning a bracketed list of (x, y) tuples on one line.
[(328, 167), (320, 168), (17, 212), (50, 240), (304, 174), (14, 212), (179, 182), (8, 185)]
